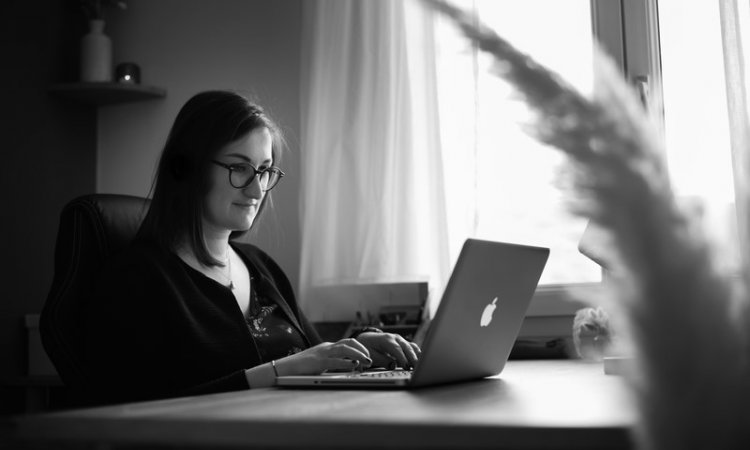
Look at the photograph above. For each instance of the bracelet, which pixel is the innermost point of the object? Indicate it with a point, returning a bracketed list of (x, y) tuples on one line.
[(273, 365), (365, 330)]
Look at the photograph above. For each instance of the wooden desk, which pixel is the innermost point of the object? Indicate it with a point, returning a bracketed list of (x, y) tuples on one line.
[(563, 404)]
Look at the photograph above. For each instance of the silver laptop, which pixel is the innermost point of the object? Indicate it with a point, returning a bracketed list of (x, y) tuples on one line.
[(474, 328)]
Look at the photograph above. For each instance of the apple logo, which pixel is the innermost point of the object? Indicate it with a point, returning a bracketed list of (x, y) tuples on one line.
[(489, 310)]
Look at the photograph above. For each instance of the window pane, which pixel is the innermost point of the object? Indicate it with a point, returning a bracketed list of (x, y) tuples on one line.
[(696, 126), (507, 188)]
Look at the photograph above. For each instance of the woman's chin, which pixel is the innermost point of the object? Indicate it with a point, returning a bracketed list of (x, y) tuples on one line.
[(243, 222), (244, 225)]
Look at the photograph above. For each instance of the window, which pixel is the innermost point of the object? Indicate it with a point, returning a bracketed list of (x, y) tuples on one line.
[(504, 185), (696, 124), (677, 44), (510, 190)]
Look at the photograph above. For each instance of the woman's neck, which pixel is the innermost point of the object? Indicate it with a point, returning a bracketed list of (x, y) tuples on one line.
[(216, 241), (216, 245), (218, 248)]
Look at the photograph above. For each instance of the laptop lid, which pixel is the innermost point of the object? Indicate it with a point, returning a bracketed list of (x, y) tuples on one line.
[(476, 324), (481, 312)]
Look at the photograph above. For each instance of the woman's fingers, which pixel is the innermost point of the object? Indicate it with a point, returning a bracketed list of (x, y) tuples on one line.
[(343, 364), (404, 353), (353, 343), (409, 352), (398, 350), (349, 354), (391, 349), (349, 351)]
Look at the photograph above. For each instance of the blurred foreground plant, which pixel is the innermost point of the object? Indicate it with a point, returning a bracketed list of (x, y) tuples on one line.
[(687, 321)]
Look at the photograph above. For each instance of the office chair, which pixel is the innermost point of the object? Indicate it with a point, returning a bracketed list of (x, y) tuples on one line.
[(92, 228)]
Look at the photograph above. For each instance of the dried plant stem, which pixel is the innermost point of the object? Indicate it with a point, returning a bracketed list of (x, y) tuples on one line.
[(687, 321)]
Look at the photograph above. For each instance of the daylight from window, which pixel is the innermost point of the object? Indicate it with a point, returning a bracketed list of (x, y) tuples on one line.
[(696, 126), (503, 185)]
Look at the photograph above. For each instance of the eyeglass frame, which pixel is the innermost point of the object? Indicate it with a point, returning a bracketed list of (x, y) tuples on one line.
[(230, 169)]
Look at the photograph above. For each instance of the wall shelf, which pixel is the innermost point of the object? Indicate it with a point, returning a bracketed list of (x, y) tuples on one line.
[(102, 94)]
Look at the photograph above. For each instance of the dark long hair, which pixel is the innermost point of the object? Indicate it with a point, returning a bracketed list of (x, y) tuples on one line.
[(205, 124)]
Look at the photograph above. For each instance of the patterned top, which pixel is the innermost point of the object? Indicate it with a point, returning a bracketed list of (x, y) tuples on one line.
[(275, 337)]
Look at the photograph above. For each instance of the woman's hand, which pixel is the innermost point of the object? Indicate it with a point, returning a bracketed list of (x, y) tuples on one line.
[(346, 354), (386, 348)]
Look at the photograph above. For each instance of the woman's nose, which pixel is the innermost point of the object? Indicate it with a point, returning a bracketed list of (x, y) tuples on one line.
[(254, 190)]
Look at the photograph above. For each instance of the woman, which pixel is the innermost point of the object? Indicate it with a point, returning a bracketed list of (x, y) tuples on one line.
[(186, 310)]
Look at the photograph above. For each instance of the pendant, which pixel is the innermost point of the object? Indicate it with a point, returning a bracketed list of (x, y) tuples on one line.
[(231, 285)]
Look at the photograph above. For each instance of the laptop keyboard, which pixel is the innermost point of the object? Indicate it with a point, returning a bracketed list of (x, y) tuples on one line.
[(386, 374)]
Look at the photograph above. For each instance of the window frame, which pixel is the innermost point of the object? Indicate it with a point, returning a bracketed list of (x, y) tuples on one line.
[(628, 31)]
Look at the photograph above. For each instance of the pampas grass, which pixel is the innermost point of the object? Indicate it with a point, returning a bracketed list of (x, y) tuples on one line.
[(687, 323)]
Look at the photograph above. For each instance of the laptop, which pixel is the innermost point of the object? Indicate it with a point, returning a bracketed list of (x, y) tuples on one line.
[(474, 328)]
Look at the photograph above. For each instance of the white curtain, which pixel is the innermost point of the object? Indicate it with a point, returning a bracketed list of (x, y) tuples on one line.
[(735, 26), (373, 196)]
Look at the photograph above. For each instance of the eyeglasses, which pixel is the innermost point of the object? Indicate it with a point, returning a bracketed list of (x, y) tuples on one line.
[(242, 174)]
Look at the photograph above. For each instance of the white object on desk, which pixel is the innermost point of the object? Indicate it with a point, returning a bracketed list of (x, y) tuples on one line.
[(618, 365)]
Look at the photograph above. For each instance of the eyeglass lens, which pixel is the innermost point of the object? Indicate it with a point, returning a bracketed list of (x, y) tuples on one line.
[(242, 176)]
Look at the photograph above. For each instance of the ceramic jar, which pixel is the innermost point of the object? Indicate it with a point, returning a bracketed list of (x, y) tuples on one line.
[(96, 54)]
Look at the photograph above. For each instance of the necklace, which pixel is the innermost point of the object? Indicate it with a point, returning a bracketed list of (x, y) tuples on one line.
[(229, 265), (189, 259)]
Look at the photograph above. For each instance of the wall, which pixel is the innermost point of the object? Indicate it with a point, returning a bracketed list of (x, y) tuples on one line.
[(187, 46), (48, 158), (50, 144)]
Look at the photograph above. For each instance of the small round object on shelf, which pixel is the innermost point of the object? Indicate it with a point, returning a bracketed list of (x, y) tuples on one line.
[(128, 73)]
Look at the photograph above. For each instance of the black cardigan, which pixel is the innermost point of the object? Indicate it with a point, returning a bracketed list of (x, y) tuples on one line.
[(157, 328)]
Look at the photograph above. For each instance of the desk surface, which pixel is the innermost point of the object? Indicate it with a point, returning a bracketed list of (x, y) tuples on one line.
[(532, 404)]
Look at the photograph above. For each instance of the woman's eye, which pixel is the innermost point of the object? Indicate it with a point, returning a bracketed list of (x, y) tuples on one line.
[(240, 168)]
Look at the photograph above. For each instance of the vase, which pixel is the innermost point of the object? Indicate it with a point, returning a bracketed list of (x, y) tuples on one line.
[(96, 54)]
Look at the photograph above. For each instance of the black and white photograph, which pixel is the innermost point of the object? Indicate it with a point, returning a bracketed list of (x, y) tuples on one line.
[(375, 224)]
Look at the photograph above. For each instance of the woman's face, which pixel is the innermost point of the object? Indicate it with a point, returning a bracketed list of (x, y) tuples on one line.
[(227, 208)]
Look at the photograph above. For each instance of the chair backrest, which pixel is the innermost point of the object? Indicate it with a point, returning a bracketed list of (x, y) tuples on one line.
[(92, 229)]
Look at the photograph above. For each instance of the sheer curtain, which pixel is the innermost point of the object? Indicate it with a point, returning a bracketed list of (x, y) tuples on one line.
[(373, 197), (735, 30)]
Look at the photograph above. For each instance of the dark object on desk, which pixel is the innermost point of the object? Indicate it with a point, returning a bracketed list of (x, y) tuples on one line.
[(333, 331), (400, 315), (128, 73), (92, 228), (542, 348)]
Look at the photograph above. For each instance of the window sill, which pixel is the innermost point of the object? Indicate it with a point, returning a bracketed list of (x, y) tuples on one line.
[(562, 299)]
